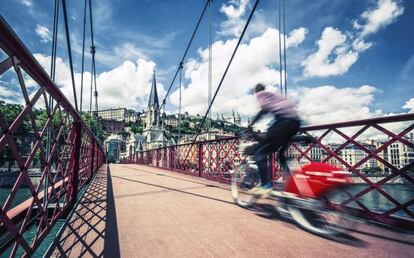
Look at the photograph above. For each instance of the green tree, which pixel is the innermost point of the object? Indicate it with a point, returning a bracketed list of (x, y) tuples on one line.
[(93, 122), (136, 129), (10, 112)]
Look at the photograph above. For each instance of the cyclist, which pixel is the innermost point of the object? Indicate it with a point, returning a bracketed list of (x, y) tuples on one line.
[(285, 126)]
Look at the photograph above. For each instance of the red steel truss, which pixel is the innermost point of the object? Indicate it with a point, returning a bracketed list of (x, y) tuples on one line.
[(213, 160), (70, 161)]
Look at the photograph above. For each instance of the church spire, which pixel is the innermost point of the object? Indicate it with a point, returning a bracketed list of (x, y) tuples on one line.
[(153, 98)]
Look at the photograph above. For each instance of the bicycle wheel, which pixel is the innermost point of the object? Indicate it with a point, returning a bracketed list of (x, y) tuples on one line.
[(244, 179), (323, 220), (320, 222)]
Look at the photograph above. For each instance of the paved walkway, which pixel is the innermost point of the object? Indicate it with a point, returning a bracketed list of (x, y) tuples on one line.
[(140, 211)]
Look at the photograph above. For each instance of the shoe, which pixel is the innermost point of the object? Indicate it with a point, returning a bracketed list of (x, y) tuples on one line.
[(262, 191)]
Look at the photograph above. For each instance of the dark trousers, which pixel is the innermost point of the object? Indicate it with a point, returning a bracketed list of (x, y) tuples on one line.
[(277, 139)]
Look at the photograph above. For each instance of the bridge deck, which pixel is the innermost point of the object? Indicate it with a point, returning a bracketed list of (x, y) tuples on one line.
[(140, 211)]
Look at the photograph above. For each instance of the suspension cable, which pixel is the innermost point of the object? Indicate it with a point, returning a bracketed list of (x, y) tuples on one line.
[(179, 99), (224, 75), (50, 104), (185, 53), (210, 74), (83, 55), (93, 50), (94, 76), (210, 61), (90, 95), (284, 45), (280, 50), (54, 40), (180, 64), (65, 17)]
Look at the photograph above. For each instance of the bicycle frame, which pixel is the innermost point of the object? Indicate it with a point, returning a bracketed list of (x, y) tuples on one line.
[(315, 180)]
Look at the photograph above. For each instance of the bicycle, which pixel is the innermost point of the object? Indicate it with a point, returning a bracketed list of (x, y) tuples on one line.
[(303, 198)]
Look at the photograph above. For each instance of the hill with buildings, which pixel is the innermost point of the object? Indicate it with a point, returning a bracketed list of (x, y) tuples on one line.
[(128, 131)]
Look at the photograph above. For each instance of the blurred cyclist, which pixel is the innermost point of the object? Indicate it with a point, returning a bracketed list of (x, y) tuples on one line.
[(279, 134)]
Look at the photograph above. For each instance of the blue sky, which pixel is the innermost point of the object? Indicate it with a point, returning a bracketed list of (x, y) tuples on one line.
[(133, 37)]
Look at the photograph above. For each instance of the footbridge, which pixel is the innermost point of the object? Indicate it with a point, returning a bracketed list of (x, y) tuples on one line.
[(132, 210), (64, 200)]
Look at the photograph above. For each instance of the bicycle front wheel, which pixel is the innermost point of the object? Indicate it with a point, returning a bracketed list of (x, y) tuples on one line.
[(244, 179)]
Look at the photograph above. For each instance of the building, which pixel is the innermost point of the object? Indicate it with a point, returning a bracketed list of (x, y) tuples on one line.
[(154, 134), (135, 143), (117, 114), (317, 153), (112, 126), (115, 147), (205, 136), (132, 116), (170, 120), (153, 111), (399, 154), (233, 119)]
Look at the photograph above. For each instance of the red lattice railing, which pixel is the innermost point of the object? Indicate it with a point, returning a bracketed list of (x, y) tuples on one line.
[(378, 152), (29, 162)]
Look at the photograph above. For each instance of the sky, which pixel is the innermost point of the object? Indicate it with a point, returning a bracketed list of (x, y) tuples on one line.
[(346, 60)]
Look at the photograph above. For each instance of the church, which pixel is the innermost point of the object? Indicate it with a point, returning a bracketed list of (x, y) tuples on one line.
[(154, 134)]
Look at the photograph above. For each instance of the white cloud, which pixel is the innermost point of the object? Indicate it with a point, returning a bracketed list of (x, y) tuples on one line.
[(255, 62), (296, 37), (7, 95), (127, 85), (129, 51), (5, 92), (384, 13), (27, 3), (335, 55), (116, 55), (338, 51), (234, 12), (44, 33), (119, 54), (328, 104), (409, 104)]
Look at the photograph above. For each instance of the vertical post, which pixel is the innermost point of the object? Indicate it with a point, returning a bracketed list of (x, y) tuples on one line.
[(92, 162), (272, 166), (171, 158), (200, 159), (76, 156), (157, 158), (97, 153)]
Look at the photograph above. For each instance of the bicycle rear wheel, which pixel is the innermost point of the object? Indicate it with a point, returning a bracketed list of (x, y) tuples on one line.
[(324, 220), (319, 222), (244, 179)]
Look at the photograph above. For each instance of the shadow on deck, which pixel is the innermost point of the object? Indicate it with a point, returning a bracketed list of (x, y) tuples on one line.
[(92, 230)]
